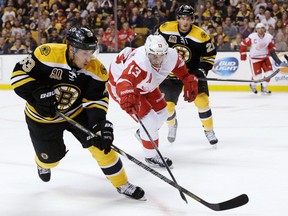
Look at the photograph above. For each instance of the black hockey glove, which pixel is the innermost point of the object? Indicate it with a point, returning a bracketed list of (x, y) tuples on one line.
[(45, 101), (105, 139)]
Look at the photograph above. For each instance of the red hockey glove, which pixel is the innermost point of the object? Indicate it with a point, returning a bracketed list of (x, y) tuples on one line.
[(129, 99), (243, 56), (190, 88)]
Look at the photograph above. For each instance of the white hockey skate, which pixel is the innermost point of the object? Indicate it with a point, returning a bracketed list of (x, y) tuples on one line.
[(211, 137), (264, 90)]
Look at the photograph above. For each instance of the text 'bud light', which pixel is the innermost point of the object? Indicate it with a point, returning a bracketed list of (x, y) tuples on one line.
[(226, 66)]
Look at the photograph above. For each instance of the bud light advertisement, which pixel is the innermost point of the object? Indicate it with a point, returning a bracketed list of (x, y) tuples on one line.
[(226, 66)]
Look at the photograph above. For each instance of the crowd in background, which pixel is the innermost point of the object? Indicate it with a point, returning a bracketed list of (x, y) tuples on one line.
[(25, 24)]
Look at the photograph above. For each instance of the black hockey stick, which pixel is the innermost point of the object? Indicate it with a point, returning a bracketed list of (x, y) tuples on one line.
[(239, 80), (229, 204), (157, 149)]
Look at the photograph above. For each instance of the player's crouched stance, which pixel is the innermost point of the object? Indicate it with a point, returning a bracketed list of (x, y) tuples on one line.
[(71, 79), (134, 77)]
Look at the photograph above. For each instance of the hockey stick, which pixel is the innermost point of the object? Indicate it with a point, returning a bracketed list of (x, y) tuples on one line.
[(229, 204), (239, 80), (157, 149)]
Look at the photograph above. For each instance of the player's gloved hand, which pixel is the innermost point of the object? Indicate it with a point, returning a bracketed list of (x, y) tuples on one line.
[(190, 88), (243, 56), (104, 140), (45, 101), (129, 98)]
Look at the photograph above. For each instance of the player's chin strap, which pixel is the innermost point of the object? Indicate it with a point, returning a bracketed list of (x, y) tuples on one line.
[(229, 204)]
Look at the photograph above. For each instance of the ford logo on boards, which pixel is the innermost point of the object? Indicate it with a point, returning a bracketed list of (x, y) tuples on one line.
[(226, 66)]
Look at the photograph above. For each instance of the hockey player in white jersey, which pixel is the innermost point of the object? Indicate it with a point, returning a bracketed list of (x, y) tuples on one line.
[(261, 46), (134, 77)]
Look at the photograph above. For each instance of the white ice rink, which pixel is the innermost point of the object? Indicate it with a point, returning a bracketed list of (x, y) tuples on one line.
[(251, 158)]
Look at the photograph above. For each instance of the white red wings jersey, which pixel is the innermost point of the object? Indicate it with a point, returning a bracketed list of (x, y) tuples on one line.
[(259, 46), (133, 66)]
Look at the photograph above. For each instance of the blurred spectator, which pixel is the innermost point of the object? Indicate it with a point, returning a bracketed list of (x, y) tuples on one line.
[(92, 18), (45, 19), (279, 25), (125, 36), (8, 11), (221, 45), (261, 13), (29, 46), (244, 28), (243, 13), (17, 48), (106, 7), (281, 44), (135, 19), (251, 22), (259, 4), (33, 21), (171, 7), (268, 20), (54, 37), (271, 31), (221, 7), (150, 21), (17, 28), (159, 11), (229, 29), (22, 9), (276, 13), (4, 46), (60, 19), (235, 44), (219, 31), (43, 40), (230, 12), (71, 8), (32, 7), (285, 19), (102, 46)]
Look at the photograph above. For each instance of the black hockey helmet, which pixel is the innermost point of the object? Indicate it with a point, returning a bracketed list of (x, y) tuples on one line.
[(82, 38), (186, 10)]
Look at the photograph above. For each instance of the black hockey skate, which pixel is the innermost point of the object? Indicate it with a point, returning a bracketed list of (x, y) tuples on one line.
[(44, 174), (132, 191), (157, 162)]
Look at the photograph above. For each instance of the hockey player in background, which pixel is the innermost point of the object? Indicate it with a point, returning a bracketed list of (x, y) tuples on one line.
[(199, 53), (134, 77), (261, 46), (67, 77)]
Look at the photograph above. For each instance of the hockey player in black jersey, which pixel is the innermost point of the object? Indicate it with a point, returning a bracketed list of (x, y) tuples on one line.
[(69, 78), (199, 53)]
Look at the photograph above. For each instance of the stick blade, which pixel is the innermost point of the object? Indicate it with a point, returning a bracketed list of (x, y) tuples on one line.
[(232, 203)]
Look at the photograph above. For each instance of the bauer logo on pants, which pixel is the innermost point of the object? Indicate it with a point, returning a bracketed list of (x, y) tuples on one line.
[(226, 66)]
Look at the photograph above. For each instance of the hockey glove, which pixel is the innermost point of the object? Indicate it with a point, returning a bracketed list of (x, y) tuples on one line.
[(45, 101), (243, 56), (104, 140), (190, 88), (129, 99)]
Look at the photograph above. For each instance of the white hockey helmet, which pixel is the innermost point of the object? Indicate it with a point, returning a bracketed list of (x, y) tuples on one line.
[(156, 44), (260, 25)]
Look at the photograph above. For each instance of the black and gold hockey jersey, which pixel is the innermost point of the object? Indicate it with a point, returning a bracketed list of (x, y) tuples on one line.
[(75, 88), (196, 46)]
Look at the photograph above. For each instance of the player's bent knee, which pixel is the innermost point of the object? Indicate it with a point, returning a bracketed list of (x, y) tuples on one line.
[(202, 101)]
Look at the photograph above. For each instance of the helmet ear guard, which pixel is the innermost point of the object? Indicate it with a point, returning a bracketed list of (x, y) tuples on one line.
[(82, 38)]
